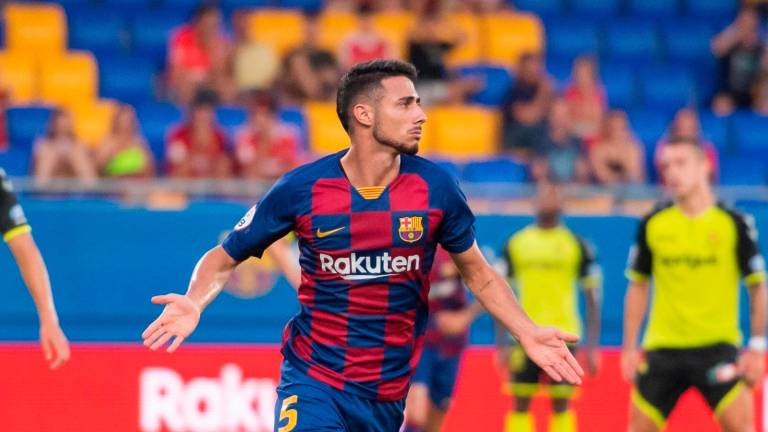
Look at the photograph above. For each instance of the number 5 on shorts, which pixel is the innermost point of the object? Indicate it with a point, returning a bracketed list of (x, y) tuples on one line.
[(290, 414)]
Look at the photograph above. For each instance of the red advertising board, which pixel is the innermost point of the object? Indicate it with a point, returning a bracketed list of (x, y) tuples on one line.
[(118, 388)]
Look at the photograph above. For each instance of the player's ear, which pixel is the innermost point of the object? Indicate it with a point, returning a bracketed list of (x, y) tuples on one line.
[(363, 114)]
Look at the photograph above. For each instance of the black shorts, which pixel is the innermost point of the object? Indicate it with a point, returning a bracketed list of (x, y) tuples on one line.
[(667, 373), (526, 378)]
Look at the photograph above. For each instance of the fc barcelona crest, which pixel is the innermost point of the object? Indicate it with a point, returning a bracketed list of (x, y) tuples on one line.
[(411, 228)]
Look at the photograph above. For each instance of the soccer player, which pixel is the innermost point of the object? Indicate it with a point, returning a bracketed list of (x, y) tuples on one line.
[(447, 334), (17, 234), (695, 250), (545, 263), (368, 220)]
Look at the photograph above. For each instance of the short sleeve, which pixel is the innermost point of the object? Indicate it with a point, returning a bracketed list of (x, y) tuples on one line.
[(751, 262), (266, 222), (12, 219), (457, 231), (590, 273), (639, 265)]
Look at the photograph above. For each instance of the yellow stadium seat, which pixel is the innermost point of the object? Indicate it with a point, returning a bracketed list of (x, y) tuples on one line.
[(17, 77), (334, 27), (69, 80), (93, 121), (468, 51), (507, 36), (325, 132), (395, 27), (35, 28), (282, 28), (463, 132)]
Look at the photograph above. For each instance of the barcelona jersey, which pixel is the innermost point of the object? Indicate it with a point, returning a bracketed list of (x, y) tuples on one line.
[(365, 261)]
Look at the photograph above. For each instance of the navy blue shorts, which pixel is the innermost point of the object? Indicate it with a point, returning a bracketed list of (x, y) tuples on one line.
[(438, 373), (306, 404)]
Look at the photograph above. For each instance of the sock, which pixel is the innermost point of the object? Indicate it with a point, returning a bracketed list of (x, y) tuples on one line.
[(413, 428), (563, 422), (518, 422)]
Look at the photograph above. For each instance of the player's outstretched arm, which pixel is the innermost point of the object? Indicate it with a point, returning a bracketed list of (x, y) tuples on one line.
[(546, 346), (35, 275), (182, 312)]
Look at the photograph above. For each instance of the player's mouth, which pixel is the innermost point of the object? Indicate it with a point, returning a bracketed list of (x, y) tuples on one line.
[(415, 132)]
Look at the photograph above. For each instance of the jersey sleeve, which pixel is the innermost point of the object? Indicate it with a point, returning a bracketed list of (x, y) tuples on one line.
[(640, 260), (266, 222), (457, 231), (751, 262), (590, 273), (12, 219)]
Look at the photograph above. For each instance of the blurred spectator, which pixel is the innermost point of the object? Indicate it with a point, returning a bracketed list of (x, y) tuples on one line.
[(248, 53), (124, 153), (617, 157), (686, 125), (197, 148), (739, 49), (526, 105), (559, 155), (365, 43), (722, 104), (265, 147), (58, 154), (760, 95), (199, 54), (586, 98), (309, 72)]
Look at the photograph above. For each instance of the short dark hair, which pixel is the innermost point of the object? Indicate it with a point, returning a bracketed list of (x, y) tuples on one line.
[(365, 77), (204, 97)]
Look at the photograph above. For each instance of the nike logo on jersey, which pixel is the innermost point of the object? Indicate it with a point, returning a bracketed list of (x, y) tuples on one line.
[(323, 234)]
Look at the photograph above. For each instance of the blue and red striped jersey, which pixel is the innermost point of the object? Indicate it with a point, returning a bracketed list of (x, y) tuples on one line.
[(365, 267), (447, 293)]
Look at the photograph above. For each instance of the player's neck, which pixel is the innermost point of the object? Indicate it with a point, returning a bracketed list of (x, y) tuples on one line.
[(366, 167), (697, 202)]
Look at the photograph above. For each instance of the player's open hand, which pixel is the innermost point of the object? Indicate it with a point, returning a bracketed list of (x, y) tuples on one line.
[(55, 345), (178, 320), (752, 367), (547, 348)]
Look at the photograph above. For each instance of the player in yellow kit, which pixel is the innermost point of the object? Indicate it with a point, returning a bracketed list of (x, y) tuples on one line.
[(546, 262), (695, 250)]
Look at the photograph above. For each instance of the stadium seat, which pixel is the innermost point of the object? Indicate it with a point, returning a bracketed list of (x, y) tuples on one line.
[(712, 8), (395, 27), (231, 5), (596, 8), (99, 30), (569, 38), (156, 119), (715, 129), (325, 132), (506, 37), (334, 27), (654, 8), (632, 40), (540, 7), (650, 126), (666, 87), (559, 68), (25, 123), (738, 171), (38, 28), (305, 5), (17, 76), (70, 79), (463, 132), (620, 85), (497, 82), (283, 29), (127, 79), (16, 161), (470, 49), (182, 7), (751, 134), (231, 118), (93, 121), (151, 32), (499, 170), (687, 40)]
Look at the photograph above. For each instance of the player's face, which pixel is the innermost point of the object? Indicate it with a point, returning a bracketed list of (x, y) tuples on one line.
[(398, 116), (684, 169)]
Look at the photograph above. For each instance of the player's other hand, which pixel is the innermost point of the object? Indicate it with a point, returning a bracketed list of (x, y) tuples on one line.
[(178, 319), (55, 344), (752, 367), (591, 358), (630, 363), (546, 346)]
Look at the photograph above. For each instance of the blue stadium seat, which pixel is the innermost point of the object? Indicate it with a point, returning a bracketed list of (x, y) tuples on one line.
[(131, 6), (244, 4), (712, 8), (231, 118), (127, 79), (596, 8), (742, 171), (751, 134), (497, 82), (649, 125), (560, 69), (632, 40), (715, 129), (686, 40), (99, 30), (539, 7), (26, 123), (16, 161), (499, 170), (295, 116), (151, 32), (570, 38), (156, 119), (306, 5), (666, 87), (620, 85), (654, 8)]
